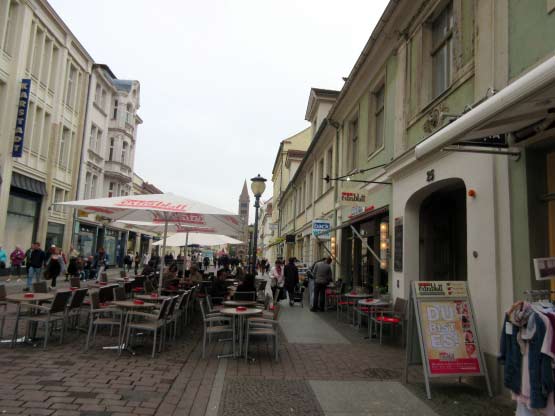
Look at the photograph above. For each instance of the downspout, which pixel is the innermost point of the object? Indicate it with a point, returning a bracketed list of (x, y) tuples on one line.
[(82, 161)]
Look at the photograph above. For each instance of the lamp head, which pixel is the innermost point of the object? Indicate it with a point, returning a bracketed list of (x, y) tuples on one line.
[(258, 185)]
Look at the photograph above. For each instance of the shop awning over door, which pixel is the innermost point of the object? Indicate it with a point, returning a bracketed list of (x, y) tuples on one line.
[(28, 184), (528, 103)]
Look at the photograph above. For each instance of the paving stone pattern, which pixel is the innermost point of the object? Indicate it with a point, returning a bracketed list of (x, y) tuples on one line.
[(249, 396)]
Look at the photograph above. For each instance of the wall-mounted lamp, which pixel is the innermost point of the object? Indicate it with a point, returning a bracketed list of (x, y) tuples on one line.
[(384, 244), (332, 247), (472, 193)]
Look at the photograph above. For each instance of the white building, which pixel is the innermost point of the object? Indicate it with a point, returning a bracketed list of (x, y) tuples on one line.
[(36, 45), (266, 231), (107, 159)]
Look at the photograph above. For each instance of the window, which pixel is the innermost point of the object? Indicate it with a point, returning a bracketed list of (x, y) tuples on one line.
[(442, 50), (8, 35), (31, 111), (103, 99), (46, 61), (37, 52), (111, 189), (353, 144), (112, 145), (88, 180), (64, 145), (71, 85), (94, 183), (376, 136), (92, 140), (58, 195), (115, 111), (329, 164), (320, 178), (97, 93), (54, 67), (98, 140), (309, 193), (128, 114), (124, 153), (37, 130), (45, 141)]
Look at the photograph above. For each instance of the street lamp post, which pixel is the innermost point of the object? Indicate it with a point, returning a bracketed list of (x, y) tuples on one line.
[(258, 185)]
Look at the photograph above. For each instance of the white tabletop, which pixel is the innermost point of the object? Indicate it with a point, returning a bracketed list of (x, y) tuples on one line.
[(239, 302), (357, 295), (20, 297), (373, 302), (234, 311)]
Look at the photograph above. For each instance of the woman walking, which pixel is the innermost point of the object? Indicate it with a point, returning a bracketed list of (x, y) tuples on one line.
[(55, 266), (276, 278)]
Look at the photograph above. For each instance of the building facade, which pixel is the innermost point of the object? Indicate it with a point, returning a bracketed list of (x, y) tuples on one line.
[(444, 156), (42, 125), (289, 156), (266, 231), (107, 160)]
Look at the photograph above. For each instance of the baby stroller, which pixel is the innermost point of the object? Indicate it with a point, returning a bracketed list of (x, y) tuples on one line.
[(298, 294)]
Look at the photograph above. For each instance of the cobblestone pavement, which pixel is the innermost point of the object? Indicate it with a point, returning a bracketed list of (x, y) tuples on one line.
[(64, 380), (251, 396)]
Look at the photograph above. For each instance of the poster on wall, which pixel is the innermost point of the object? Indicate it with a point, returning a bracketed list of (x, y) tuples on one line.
[(447, 336), (544, 268)]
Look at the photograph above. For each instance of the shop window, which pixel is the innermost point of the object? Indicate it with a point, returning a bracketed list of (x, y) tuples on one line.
[(21, 221), (442, 50), (54, 234)]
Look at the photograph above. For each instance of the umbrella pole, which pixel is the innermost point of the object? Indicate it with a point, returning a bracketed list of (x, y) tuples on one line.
[(163, 254), (186, 252)]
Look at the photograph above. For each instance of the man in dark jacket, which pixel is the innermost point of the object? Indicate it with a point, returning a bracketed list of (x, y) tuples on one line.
[(291, 278), (322, 277), (37, 259)]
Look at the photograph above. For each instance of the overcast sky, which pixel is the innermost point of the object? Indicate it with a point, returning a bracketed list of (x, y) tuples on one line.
[(222, 82)]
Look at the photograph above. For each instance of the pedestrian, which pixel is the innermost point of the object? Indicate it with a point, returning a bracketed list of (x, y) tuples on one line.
[(3, 258), (55, 266), (310, 276), (276, 277), (137, 262), (206, 262), (291, 278), (88, 272), (128, 261), (145, 259), (322, 277), (100, 262), (37, 260), (16, 259), (72, 267)]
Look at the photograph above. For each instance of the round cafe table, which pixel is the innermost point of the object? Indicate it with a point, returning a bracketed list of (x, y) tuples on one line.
[(150, 298), (20, 298), (355, 297), (239, 315), (37, 297), (127, 306), (373, 305), (235, 303)]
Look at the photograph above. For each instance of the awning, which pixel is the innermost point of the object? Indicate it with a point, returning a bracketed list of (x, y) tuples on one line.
[(362, 217), (526, 102), (28, 184)]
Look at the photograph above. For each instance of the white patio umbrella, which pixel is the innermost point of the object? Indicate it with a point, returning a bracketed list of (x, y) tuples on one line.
[(182, 239), (159, 208)]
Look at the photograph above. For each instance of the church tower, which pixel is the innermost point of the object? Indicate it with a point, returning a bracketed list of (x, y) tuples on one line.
[(244, 204)]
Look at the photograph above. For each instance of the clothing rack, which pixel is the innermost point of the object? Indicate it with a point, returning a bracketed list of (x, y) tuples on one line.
[(537, 295)]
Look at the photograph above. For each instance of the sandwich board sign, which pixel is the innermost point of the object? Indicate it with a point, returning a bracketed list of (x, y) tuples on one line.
[(445, 335)]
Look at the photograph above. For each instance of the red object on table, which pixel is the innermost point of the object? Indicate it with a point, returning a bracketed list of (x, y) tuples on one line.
[(29, 295), (103, 283), (240, 309), (73, 288), (103, 305), (353, 292), (154, 296), (388, 319), (137, 289), (138, 302)]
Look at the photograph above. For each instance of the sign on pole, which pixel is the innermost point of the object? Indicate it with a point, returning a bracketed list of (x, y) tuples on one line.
[(321, 229), (443, 315), (21, 119)]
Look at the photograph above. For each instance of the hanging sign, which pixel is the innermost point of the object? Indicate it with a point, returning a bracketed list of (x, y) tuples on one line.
[(321, 229), (447, 333), (20, 121)]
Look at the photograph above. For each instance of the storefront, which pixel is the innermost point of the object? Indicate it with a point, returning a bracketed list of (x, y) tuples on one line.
[(110, 242), (24, 207), (86, 239), (54, 234), (131, 242), (145, 244), (360, 236)]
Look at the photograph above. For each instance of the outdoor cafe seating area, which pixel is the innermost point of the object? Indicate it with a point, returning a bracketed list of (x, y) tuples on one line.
[(135, 316)]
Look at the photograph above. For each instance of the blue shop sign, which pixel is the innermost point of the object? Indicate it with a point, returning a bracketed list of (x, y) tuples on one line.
[(321, 228), (21, 119)]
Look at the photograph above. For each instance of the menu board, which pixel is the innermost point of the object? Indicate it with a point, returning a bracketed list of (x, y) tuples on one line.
[(398, 245), (447, 333)]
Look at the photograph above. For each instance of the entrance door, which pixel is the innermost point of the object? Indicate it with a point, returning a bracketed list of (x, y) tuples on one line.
[(443, 234)]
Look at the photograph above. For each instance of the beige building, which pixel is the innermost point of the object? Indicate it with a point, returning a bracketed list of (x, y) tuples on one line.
[(308, 197), (36, 45), (289, 156), (266, 231)]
